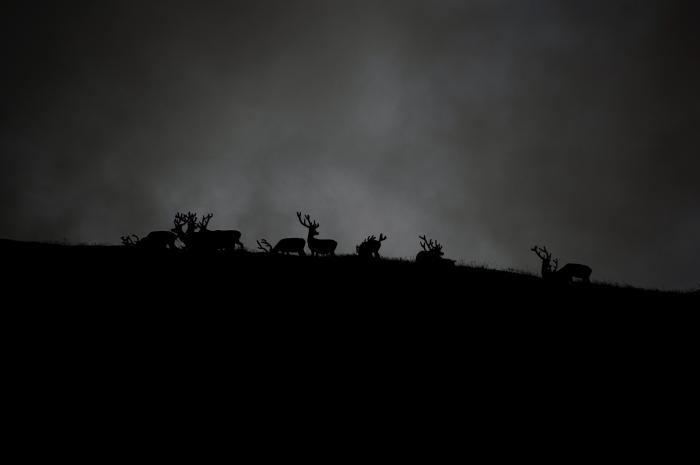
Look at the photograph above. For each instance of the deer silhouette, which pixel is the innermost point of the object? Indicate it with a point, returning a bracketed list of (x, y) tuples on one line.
[(432, 253), (317, 246), (284, 246), (370, 246), (186, 237), (198, 237), (567, 273), (153, 240)]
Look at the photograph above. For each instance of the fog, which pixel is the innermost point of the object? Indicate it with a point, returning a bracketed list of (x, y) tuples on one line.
[(490, 126)]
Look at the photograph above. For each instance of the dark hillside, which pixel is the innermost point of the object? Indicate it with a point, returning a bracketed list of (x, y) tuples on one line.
[(242, 281), (252, 332)]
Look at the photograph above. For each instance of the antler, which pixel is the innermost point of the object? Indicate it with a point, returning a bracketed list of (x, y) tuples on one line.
[(369, 238), (127, 240), (262, 246), (301, 221), (204, 222), (542, 252), (424, 242), (430, 244), (306, 222), (191, 222), (556, 265), (381, 237), (180, 219)]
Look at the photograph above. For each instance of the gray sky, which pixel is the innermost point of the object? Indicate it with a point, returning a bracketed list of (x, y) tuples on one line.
[(490, 126)]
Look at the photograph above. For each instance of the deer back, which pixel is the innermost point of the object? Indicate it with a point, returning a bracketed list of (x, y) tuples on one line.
[(159, 239), (575, 270), (322, 246), (426, 256), (218, 239), (290, 244)]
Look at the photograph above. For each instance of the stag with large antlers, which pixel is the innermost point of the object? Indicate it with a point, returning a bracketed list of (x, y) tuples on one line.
[(199, 237), (186, 237), (317, 246), (546, 270), (284, 246), (432, 252), (567, 273), (370, 246)]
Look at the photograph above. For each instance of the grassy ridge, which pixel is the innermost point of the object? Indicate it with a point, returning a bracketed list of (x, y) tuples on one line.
[(300, 281)]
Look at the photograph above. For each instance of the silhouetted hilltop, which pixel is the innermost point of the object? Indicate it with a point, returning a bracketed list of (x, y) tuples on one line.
[(243, 279)]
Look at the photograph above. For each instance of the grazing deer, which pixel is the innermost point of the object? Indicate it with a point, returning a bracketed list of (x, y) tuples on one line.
[(284, 246), (567, 273), (431, 253), (317, 246), (217, 239), (370, 246), (153, 240)]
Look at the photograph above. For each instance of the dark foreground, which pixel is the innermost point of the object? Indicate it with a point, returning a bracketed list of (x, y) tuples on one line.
[(129, 279), (333, 348), (246, 305)]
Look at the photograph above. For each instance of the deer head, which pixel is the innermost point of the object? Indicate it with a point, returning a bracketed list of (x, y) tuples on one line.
[(191, 222), (204, 222), (430, 246), (180, 220), (312, 226), (546, 258)]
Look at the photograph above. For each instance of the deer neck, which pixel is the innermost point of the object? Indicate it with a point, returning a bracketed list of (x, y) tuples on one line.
[(546, 269), (311, 237)]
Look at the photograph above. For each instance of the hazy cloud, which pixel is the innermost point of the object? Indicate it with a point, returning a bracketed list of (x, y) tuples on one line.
[(488, 125)]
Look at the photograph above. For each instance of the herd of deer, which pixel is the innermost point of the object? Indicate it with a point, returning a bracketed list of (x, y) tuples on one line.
[(195, 235)]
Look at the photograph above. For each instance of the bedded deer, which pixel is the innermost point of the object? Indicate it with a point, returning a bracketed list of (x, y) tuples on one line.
[(317, 246), (284, 246), (567, 273), (432, 253), (153, 240), (370, 246)]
